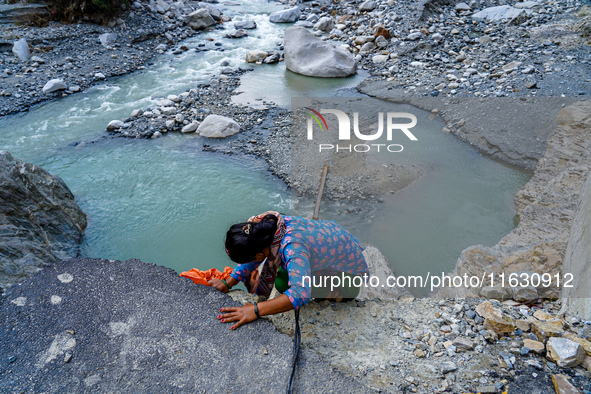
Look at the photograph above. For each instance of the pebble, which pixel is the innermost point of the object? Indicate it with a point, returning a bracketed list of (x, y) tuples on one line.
[(448, 366)]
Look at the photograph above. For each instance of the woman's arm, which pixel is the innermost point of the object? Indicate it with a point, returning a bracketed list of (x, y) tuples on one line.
[(245, 314), (219, 284)]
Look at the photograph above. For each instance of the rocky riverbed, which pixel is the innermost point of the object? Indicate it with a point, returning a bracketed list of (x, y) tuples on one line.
[(418, 50), (85, 53), (447, 345)]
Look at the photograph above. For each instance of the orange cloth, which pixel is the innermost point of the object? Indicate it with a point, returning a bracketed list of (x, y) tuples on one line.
[(201, 277)]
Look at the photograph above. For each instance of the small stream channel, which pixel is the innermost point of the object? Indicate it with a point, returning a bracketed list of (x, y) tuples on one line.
[(165, 201)]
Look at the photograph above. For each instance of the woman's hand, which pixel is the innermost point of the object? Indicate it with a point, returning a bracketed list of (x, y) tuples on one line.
[(218, 284), (241, 315)]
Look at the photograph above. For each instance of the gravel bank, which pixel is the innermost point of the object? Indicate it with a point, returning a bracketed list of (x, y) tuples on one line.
[(435, 346), (75, 54)]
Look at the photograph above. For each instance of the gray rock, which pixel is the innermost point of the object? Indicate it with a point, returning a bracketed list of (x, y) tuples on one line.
[(437, 38), (200, 19), (247, 25), (21, 49), (306, 24), (462, 344), (493, 293), (312, 18), (485, 39), (414, 36), (163, 6), (165, 103), (463, 7), (487, 390), (135, 332), (215, 12), (168, 110), (256, 56), (54, 85), (533, 363), (522, 294), (498, 13), (190, 128), (367, 6), (527, 5), (40, 223), (507, 359), (114, 125), (37, 59), (324, 24), (216, 126), (305, 54), (380, 58), (448, 366), (564, 352), (285, 16), (381, 42), (368, 46), (237, 34), (107, 39), (274, 58)]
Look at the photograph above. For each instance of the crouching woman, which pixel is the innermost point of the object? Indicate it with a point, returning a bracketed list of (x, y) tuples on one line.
[(299, 256)]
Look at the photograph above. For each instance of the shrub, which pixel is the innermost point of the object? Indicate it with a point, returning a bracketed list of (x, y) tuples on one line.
[(72, 11)]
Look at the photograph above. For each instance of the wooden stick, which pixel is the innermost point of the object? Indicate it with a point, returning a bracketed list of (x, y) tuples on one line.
[(322, 182)]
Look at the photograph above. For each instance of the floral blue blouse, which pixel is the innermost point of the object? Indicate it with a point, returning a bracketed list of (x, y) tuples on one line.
[(311, 247)]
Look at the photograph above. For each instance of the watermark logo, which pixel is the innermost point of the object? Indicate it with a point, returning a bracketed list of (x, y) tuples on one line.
[(391, 119)]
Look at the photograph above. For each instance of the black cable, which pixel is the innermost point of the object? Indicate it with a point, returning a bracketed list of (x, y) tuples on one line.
[(296, 350)]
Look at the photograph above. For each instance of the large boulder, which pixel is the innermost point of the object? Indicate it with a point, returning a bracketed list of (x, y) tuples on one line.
[(40, 223), (215, 12), (307, 55), (216, 126), (21, 50), (286, 16), (54, 85), (200, 19), (127, 326), (497, 13)]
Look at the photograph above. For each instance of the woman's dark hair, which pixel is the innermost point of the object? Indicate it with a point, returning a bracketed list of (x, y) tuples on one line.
[(245, 240)]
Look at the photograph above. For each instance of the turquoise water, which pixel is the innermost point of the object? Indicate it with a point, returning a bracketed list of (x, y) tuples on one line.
[(167, 202)]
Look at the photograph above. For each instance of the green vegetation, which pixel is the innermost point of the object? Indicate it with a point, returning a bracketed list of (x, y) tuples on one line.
[(72, 11)]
